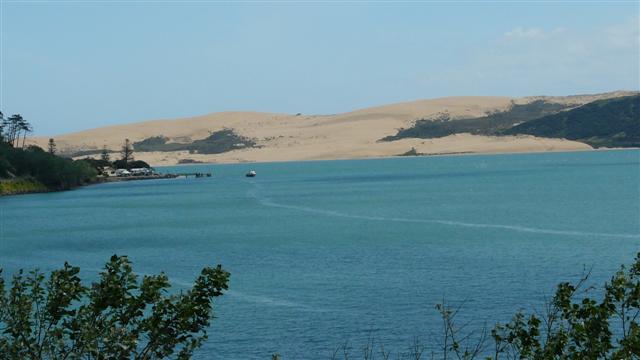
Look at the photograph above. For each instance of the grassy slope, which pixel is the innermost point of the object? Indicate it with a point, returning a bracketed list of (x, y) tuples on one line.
[(21, 186)]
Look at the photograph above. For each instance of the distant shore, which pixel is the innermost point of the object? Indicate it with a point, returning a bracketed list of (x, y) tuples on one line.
[(394, 157), (28, 186), (24, 186)]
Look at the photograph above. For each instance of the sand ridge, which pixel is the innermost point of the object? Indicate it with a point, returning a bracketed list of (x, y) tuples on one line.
[(356, 134)]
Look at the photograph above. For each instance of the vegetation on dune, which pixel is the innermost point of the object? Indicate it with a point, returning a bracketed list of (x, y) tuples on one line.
[(490, 124), (216, 143), (117, 317), (126, 160), (153, 142), (603, 123), (189, 161), (411, 152), (612, 123)]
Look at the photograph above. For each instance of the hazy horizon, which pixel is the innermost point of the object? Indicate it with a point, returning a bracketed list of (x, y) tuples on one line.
[(71, 66)]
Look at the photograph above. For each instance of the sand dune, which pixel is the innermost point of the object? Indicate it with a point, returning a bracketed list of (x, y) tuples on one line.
[(284, 137)]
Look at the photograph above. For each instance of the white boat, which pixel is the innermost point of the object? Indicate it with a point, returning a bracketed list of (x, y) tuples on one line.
[(251, 173)]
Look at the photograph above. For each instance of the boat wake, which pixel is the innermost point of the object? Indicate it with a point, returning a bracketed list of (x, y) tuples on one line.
[(266, 201), (268, 301)]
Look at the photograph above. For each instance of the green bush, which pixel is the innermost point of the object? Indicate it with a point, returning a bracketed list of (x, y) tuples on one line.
[(120, 164), (21, 186), (573, 325), (117, 317)]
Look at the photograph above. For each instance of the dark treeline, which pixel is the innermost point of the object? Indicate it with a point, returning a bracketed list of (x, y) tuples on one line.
[(119, 316), (33, 163), (28, 168), (19, 161), (126, 161)]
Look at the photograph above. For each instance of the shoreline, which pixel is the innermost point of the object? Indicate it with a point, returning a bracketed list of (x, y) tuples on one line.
[(35, 187), (175, 176), (38, 188), (447, 154)]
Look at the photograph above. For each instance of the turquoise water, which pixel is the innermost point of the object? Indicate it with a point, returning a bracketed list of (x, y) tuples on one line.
[(328, 251)]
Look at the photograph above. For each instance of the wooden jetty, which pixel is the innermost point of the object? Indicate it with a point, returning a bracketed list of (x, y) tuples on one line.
[(154, 177), (197, 174)]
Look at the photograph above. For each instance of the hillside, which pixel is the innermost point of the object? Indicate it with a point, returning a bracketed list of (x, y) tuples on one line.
[(592, 120), (493, 123), (603, 123), (34, 170), (255, 136)]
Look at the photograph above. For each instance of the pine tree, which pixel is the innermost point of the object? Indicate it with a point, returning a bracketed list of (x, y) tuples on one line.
[(52, 146), (104, 155), (127, 153), (2, 126), (26, 128)]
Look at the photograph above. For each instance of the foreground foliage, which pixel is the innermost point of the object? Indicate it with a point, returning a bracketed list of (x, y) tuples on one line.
[(578, 326), (117, 317), (574, 325)]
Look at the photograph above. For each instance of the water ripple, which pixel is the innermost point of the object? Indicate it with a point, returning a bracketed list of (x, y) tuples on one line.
[(253, 193)]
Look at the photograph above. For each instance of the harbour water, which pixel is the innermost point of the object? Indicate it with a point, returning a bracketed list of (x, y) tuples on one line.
[(331, 251)]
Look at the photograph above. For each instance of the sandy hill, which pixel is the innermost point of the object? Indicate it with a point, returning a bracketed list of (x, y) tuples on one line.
[(282, 137)]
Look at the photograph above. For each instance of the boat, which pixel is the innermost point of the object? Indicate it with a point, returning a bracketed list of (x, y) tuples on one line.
[(251, 173)]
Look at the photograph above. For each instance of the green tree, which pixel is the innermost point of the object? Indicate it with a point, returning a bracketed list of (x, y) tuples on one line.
[(52, 146), (127, 153), (578, 326), (14, 126), (2, 126), (55, 172), (117, 317), (574, 325), (6, 130), (104, 155), (26, 128)]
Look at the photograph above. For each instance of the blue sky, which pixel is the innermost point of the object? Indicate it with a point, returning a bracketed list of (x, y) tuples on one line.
[(74, 65)]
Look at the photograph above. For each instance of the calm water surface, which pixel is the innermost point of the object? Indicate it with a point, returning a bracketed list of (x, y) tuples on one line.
[(328, 251)]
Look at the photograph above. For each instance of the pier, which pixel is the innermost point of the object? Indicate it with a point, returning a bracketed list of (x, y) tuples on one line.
[(197, 174), (155, 176)]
